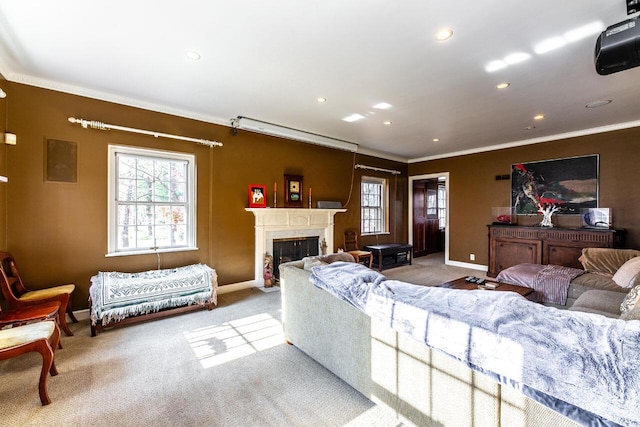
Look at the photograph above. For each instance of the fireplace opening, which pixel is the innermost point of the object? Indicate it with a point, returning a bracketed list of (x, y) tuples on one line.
[(293, 249)]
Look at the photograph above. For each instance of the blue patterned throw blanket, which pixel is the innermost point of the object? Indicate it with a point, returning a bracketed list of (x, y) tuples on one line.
[(115, 295), (582, 365)]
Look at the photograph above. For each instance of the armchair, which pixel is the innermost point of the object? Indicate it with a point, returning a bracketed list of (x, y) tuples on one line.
[(19, 297)]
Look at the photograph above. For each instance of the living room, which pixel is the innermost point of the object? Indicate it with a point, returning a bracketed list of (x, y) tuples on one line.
[(58, 231)]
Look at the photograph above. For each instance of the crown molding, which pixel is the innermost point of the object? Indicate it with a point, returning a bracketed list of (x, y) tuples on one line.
[(549, 138), (117, 99)]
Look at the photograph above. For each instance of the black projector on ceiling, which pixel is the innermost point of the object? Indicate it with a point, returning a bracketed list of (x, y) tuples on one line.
[(618, 47)]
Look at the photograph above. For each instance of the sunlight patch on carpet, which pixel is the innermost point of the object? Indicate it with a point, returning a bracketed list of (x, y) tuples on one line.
[(215, 345)]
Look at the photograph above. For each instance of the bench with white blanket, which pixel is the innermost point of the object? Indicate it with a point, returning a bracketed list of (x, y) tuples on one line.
[(118, 298)]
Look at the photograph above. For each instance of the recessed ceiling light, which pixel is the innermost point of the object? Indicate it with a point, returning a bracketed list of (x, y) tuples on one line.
[(3, 94), (445, 34), (353, 118), (436, 139), (549, 44), (584, 31), (193, 55), (599, 103), (387, 122), (503, 85), (382, 106), (495, 66), (516, 57), (538, 117), (321, 99)]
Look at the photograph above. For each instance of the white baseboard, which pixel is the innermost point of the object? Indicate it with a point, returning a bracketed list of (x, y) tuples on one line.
[(238, 286), (81, 314), (468, 265)]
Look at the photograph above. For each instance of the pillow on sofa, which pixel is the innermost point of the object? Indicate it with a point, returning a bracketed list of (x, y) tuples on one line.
[(633, 314), (605, 260), (312, 261), (627, 274), (631, 300), (340, 256)]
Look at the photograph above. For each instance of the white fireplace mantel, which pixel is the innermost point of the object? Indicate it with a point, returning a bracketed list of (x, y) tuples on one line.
[(280, 223)]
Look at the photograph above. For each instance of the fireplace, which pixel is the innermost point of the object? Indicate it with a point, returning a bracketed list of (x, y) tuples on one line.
[(273, 224), (285, 250)]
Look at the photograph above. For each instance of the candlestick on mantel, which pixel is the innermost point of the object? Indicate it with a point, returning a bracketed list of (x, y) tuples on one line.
[(275, 194), (310, 197)]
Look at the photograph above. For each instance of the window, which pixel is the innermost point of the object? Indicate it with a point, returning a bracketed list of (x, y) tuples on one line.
[(151, 200), (373, 194), (442, 205)]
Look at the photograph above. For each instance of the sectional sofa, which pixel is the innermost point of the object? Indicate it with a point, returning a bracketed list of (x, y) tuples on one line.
[(423, 386)]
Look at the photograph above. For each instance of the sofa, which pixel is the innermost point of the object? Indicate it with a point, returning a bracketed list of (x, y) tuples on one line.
[(422, 385), (608, 275)]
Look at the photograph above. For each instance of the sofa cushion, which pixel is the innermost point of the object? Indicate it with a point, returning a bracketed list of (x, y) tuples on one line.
[(627, 274), (606, 303), (630, 300), (605, 260)]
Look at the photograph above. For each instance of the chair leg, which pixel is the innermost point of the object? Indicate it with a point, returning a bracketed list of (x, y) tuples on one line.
[(55, 341), (71, 315), (46, 351), (64, 327)]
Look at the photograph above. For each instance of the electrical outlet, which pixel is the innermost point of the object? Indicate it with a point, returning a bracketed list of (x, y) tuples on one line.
[(472, 257)]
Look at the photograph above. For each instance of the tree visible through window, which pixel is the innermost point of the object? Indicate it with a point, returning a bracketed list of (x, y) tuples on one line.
[(373, 195), (153, 197)]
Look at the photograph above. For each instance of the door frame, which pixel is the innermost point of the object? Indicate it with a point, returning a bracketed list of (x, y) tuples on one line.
[(445, 175)]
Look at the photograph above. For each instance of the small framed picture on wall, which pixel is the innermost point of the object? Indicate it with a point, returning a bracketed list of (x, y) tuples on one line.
[(293, 191), (257, 196)]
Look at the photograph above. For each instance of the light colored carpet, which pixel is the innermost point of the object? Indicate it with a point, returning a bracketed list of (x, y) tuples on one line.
[(430, 270), (225, 367)]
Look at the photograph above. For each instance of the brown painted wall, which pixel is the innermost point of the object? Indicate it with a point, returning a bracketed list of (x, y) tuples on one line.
[(58, 231), (474, 190)]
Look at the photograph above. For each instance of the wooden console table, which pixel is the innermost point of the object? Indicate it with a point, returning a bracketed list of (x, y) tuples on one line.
[(511, 245)]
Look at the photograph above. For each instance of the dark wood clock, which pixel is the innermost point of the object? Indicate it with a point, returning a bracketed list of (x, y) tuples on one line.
[(293, 191)]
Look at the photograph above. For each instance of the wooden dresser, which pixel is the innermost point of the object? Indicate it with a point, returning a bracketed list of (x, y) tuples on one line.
[(510, 245)]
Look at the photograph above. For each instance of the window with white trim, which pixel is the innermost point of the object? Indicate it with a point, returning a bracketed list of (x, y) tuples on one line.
[(151, 200), (373, 205), (442, 205)]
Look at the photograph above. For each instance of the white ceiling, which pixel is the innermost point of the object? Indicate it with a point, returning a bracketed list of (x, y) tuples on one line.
[(271, 60)]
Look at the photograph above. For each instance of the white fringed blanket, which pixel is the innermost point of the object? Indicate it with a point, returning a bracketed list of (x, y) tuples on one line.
[(116, 296)]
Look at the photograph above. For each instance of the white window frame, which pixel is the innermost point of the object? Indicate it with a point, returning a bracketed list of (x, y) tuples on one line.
[(383, 209), (190, 205)]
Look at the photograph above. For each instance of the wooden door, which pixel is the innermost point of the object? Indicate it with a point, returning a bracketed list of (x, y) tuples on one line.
[(426, 227), (419, 218), (432, 243)]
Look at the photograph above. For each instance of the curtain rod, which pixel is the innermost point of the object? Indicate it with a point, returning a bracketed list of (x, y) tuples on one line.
[(103, 126), (373, 168)]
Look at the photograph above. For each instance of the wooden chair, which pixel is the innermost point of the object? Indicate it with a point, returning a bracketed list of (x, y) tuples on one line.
[(30, 314), (350, 241), (19, 297), (42, 337)]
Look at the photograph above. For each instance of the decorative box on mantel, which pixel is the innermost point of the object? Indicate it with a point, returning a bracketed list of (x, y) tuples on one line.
[(284, 223)]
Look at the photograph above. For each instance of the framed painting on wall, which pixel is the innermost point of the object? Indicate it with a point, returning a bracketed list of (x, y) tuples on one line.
[(257, 196), (570, 184)]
